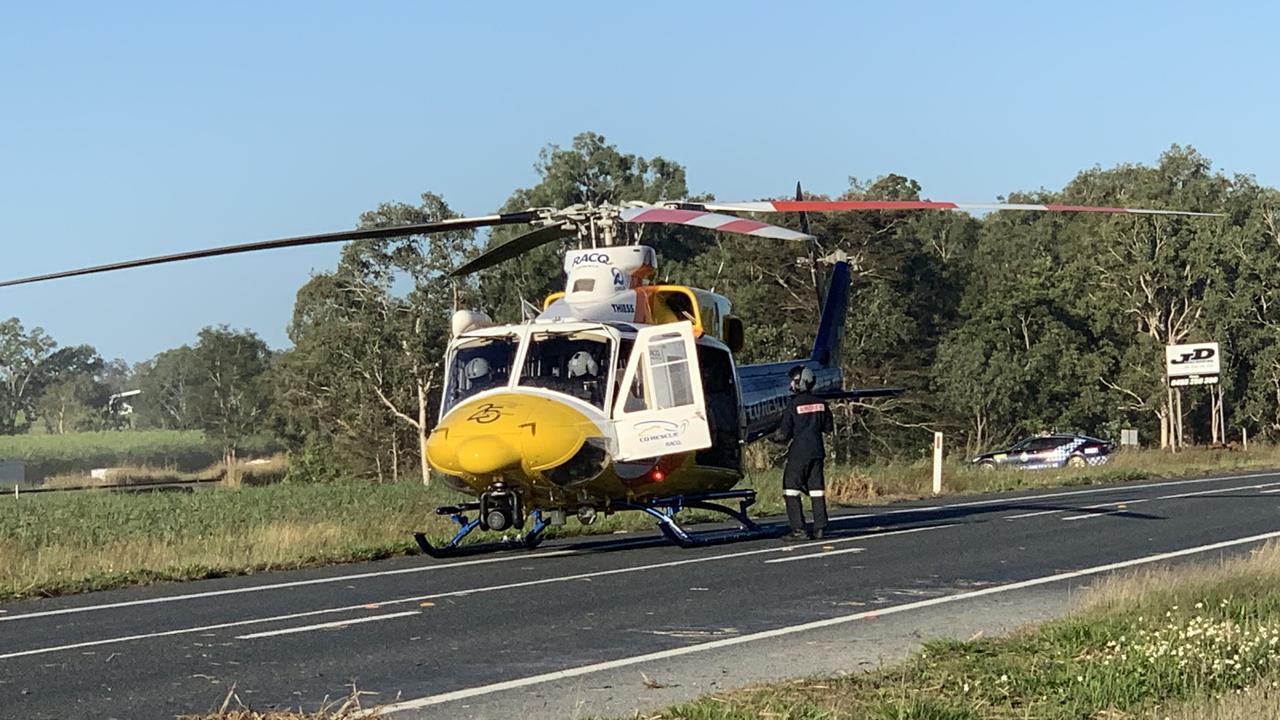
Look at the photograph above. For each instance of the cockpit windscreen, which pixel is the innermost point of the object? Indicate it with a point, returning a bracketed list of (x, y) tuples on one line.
[(478, 365), (575, 364)]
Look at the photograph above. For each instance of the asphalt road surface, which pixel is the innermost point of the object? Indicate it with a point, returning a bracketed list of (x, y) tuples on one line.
[(606, 626)]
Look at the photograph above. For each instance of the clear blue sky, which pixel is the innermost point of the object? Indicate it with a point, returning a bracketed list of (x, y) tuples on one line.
[(130, 129)]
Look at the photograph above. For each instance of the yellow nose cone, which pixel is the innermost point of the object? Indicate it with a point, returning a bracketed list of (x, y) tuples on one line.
[(486, 455), (508, 434)]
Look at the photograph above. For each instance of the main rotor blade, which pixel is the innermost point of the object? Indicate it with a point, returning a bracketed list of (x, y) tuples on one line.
[(710, 221), (365, 234), (769, 206), (861, 393), (512, 248)]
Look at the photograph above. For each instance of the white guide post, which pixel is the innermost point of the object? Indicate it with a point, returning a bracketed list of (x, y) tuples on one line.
[(1244, 437), (937, 463)]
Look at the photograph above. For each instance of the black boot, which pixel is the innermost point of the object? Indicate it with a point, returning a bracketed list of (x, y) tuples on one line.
[(819, 516), (795, 518)]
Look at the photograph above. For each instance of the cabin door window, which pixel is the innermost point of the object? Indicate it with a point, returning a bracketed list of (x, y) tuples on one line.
[(663, 411)]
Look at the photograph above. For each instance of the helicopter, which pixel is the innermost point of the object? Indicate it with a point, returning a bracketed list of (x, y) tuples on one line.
[(620, 393)]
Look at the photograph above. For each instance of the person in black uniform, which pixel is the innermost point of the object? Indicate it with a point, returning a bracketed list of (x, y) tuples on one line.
[(803, 425)]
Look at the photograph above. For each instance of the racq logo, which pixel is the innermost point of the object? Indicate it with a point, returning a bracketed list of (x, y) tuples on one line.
[(591, 257)]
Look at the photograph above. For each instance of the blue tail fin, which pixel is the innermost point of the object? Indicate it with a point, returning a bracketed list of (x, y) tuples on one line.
[(826, 347)]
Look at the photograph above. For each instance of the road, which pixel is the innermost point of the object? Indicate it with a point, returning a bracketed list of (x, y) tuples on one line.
[(591, 626)]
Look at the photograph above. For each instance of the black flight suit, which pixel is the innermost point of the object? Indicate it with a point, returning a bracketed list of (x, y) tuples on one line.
[(804, 423)]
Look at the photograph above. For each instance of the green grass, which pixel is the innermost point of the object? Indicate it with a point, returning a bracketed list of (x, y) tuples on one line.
[(68, 542), (1187, 642), (60, 543), (50, 455)]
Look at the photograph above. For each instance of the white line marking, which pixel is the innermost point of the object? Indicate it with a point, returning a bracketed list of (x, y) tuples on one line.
[(791, 630), (1034, 514), (554, 553), (1268, 492), (180, 631), (1134, 502), (435, 596), (819, 555), (328, 625), (1072, 493), (279, 586), (828, 553), (1086, 515), (1216, 490)]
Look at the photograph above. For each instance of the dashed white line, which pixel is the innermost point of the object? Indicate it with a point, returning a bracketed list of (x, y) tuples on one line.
[(581, 670), (328, 626), (818, 555), (829, 553), (1269, 492), (1084, 515), (1074, 493), (1134, 502), (1034, 514), (1217, 490)]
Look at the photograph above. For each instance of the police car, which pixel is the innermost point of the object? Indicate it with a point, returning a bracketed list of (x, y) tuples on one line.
[(1048, 451)]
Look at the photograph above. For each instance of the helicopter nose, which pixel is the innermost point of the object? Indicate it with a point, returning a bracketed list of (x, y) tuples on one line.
[(510, 433), (487, 455)]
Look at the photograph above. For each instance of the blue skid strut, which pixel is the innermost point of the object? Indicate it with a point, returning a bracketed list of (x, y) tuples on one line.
[(664, 510), (453, 548)]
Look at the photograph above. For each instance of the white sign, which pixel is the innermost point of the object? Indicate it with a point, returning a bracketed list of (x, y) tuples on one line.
[(1192, 364)]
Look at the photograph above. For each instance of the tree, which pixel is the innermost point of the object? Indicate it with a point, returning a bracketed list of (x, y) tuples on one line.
[(1154, 275), (71, 393), (167, 382), (22, 357), (366, 359), (227, 398), (73, 403)]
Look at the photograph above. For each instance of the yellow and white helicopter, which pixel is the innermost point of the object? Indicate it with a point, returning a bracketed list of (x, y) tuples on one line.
[(622, 393)]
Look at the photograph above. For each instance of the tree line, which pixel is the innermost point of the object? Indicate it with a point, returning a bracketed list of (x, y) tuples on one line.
[(997, 326)]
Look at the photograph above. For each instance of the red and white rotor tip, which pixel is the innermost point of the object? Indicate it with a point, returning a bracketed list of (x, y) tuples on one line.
[(710, 221), (768, 206)]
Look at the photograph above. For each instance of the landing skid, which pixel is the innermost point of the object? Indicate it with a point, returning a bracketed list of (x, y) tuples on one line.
[(664, 510), (453, 548)]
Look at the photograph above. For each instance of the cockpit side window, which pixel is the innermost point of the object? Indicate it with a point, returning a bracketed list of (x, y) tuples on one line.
[(576, 365), (478, 365)]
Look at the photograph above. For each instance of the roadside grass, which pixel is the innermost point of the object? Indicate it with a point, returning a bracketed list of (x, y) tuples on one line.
[(1191, 641), (53, 544), (233, 708), (1249, 704), (60, 543)]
